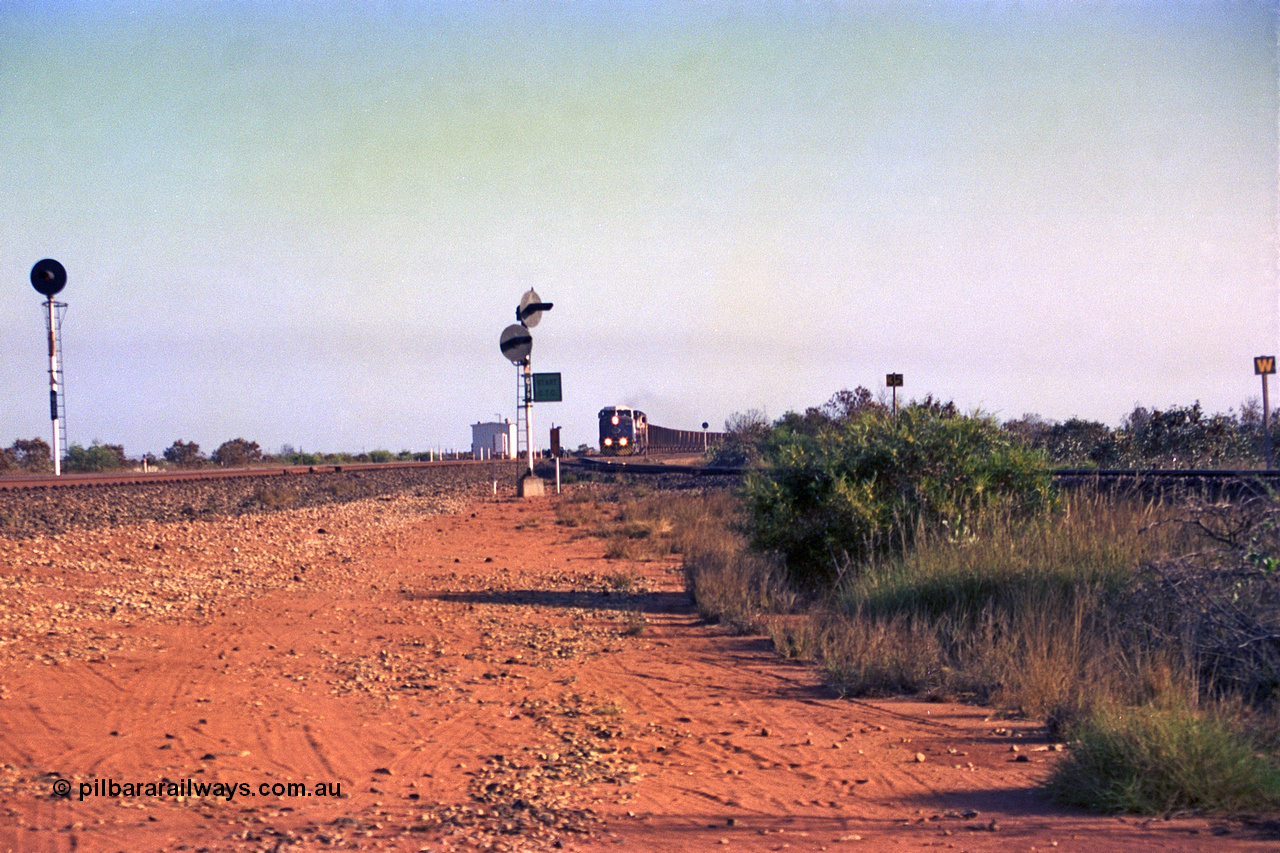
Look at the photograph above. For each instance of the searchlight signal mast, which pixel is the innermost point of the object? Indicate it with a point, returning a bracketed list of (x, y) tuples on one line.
[(48, 277), (517, 345)]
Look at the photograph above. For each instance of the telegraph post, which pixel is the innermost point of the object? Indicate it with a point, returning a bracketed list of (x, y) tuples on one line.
[(48, 277), (1264, 366)]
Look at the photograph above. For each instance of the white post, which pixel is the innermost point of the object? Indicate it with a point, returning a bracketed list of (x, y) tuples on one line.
[(53, 387)]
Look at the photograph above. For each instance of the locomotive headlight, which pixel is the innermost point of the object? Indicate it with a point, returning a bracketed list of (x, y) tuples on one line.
[(608, 442), (614, 421), (623, 441)]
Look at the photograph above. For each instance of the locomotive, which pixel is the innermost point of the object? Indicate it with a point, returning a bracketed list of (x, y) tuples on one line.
[(625, 431)]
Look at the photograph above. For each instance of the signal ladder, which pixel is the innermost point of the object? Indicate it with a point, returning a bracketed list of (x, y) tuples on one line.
[(524, 394)]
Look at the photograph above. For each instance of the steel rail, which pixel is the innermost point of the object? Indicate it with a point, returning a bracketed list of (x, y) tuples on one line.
[(1066, 476), (1063, 476), (114, 478)]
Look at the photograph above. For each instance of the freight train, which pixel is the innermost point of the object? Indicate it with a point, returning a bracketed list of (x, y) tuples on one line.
[(625, 431)]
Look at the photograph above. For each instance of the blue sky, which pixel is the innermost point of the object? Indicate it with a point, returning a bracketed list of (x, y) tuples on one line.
[(308, 223)]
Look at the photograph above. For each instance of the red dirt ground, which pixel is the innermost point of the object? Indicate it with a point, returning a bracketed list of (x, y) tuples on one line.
[(478, 680)]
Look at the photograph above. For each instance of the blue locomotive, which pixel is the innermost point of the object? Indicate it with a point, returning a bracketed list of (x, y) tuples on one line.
[(624, 431)]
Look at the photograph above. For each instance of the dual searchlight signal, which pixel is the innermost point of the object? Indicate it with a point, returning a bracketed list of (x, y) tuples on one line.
[(48, 277), (517, 345)]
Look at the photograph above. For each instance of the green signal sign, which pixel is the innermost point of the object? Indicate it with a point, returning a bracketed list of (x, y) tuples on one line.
[(546, 388)]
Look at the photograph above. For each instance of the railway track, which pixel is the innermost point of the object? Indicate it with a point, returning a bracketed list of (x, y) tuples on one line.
[(1199, 481), (1211, 483), (35, 506), (115, 478)]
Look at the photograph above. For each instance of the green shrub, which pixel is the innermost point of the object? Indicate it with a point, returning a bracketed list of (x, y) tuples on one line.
[(31, 455), (1176, 437), (868, 485), (184, 454), (1150, 760), (96, 457), (744, 436), (237, 453)]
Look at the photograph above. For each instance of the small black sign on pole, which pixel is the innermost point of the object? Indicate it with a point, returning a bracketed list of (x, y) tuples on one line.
[(1264, 366), (894, 381)]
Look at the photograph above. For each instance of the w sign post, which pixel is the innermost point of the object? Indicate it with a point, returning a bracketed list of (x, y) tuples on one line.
[(1264, 366)]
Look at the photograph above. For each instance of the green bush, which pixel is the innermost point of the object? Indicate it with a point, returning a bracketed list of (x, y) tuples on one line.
[(744, 435), (96, 457), (867, 485), (184, 454), (1150, 760), (1176, 437), (237, 453), (27, 455)]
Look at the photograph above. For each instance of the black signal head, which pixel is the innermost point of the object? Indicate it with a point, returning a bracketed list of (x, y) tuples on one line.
[(48, 277)]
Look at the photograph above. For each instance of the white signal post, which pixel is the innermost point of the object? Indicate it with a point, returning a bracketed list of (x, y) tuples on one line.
[(48, 277), (53, 386)]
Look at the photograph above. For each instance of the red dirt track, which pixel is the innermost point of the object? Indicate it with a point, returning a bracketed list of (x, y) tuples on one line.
[(481, 678)]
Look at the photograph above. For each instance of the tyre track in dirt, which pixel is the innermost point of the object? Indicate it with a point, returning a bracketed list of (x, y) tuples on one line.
[(471, 680)]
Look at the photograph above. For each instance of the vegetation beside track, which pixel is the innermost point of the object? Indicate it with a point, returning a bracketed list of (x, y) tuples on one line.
[(1147, 634)]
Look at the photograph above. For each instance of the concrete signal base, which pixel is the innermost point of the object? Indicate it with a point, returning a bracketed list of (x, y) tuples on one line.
[(530, 486)]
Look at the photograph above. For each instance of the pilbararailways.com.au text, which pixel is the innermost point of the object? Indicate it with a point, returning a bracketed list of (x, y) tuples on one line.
[(192, 788)]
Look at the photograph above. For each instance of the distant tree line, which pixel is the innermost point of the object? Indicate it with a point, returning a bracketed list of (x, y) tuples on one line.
[(1175, 437), (33, 456)]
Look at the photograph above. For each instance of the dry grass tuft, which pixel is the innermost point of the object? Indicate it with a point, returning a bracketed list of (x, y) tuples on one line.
[(634, 624)]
